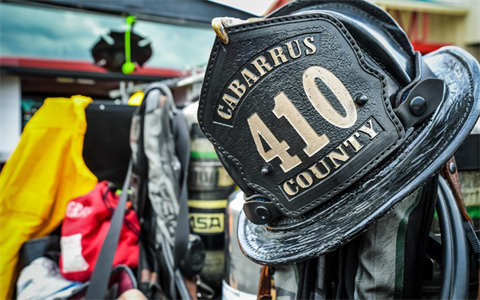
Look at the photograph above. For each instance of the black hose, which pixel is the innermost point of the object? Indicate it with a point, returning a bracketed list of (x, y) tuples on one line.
[(454, 246)]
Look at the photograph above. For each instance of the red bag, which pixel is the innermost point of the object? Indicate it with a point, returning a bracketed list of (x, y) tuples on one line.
[(84, 228)]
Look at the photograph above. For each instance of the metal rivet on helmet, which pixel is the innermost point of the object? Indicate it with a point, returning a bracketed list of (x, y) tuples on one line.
[(263, 212), (361, 99), (418, 106), (452, 168)]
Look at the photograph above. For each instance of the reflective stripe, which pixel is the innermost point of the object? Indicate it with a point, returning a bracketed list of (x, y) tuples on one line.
[(207, 204)]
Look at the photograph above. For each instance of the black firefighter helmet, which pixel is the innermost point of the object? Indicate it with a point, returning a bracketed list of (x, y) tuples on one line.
[(326, 118)]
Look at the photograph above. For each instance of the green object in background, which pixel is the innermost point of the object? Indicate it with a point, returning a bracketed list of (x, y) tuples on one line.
[(128, 67), (119, 192), (200, 154), (29, 108), (473, 212)]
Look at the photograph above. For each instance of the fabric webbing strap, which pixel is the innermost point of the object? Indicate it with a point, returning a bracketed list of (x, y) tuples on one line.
[(182, 145), (103, 266)]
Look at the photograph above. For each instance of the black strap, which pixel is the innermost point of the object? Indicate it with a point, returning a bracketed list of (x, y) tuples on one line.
[(145, 213), (182, 232), (182, 145), (141, 162), (103, 266)]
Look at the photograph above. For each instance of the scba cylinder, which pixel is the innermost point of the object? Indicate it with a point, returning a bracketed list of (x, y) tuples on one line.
[(209, 187), (241, 274)]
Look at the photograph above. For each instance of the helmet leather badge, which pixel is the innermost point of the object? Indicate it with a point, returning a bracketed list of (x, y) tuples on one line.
[(304, 104)]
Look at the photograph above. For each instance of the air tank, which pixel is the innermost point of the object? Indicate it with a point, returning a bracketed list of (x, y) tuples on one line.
[(209, 186), (241, 274)]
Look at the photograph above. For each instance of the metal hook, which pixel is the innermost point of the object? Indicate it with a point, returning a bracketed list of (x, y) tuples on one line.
[(205, 291), (219, 29)]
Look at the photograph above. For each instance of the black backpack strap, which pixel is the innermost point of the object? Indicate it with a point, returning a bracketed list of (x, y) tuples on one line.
[(103, 266), (182, 145), (142, 162)]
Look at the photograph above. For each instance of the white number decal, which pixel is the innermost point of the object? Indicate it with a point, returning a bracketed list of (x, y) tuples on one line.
[(321, 104), (285, 108), (257, 127)]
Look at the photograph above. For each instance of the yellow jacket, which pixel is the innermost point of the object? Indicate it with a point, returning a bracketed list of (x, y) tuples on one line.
[(45, 171)]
